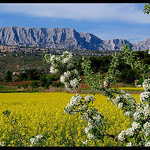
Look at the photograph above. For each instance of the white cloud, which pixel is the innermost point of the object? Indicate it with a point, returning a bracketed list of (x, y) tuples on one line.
[(81, 11)]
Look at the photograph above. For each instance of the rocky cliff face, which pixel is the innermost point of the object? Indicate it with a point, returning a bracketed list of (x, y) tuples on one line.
[(141, 45), (62, 38)]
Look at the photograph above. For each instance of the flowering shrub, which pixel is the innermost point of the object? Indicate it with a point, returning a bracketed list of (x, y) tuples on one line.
[(139, 132)]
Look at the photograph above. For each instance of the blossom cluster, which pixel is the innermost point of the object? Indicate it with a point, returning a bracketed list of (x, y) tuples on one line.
[(1, 143), (92, 116), (125, 102), (70, 79), (141, 124), (59, 63), (81, 104), (74, 102), (145, 97), (34, 141), (146, 85), (64, 64)]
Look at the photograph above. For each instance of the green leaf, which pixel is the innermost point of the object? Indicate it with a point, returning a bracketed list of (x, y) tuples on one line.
[(6, 112)]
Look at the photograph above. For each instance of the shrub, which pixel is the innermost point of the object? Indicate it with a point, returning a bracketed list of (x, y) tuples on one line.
[(25, 85), (57, 84), (35, 84)]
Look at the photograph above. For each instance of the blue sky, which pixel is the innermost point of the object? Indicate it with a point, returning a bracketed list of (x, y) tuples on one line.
[(105, 20)]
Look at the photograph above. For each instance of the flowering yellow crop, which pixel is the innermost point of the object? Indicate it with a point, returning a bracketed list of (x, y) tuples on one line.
[(43, 114), (131, 88)]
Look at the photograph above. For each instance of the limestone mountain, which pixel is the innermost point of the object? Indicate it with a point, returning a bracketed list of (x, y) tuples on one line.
[(61, 38)]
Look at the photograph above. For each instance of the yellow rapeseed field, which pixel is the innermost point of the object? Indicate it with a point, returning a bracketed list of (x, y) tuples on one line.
[(131, 88), (43, 113)]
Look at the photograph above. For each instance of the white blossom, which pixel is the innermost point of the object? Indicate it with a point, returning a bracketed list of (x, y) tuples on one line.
[(2, 143), (85, 117), (145, 96), (67, 86), (67, 56), (52, 57), (127, 113), (85, 142), (74, 82), (146, 125), (39, 136), (146, 84), (147, 144), (62, 78), (67, 74), (117, 99), (86, 130), (97, 117), (76, 72), (121, 136), (91, 136), (129, 144), (135, 125), (130, 131), (136, 116), (33, 140), (89, 98), (76, 99), (53, 70), (105, 84), (147, 132), (82, 107), (146, 111), (120, 105), (90, 125)]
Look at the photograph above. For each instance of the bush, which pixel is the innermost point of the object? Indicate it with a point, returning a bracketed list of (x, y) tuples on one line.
[(43, 80), (35, 84), (46, 86), (25, 85), (8, 76), (128, 76), (57, 84), (141, 80)]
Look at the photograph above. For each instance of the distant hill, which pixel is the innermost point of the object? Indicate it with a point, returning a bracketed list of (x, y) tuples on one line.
[(63, 38)]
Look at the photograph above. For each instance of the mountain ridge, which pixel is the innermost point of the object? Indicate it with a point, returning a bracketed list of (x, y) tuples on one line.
[(63, 38)]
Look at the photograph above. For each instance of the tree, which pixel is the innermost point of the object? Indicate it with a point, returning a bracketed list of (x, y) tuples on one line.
[(146, 9), (128, 75), (43, 80), (22, 77), (35, 84), (8, 76), (33, 74)]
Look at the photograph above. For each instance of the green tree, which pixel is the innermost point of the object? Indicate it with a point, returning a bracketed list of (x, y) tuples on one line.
[(33, 74), (128, 75), (146, 9), (43, 80), (22, 77), (8, 76), (35, 84), (25, 85)]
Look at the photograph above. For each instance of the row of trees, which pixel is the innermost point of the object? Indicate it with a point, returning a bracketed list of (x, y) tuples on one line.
[(99, 64), (127, 74), (37, 77)]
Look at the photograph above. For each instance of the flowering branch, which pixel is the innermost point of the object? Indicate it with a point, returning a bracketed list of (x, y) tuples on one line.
[(139, 112)]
